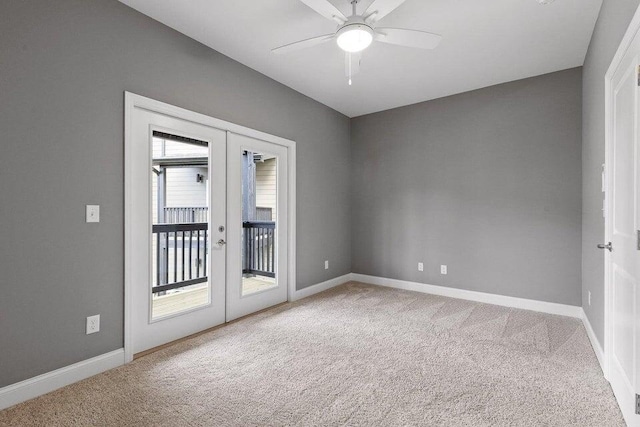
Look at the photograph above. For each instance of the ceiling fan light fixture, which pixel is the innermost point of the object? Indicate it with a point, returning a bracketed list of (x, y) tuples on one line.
[(354, 38)]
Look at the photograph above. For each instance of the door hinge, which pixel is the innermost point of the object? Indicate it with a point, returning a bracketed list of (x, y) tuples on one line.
[(638, 75), (637, 404), (638, 240)]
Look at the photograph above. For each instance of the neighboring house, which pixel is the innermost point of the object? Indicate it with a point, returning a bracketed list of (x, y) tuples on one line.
[(266, 189), (180, 197), (183, 186), (186, 186)]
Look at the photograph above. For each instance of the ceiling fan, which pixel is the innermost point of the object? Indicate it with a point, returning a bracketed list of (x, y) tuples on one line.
[(357, 32)]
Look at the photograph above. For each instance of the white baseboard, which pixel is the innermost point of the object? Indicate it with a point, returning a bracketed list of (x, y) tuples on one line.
[(525, 304), (597, 348), (45, 383), (314, 289)]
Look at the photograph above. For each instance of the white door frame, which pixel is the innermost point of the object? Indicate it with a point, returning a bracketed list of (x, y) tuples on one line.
[(133, 101)]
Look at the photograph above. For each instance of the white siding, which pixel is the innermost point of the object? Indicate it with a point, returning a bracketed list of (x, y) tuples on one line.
[(183, 188), (266, 185)]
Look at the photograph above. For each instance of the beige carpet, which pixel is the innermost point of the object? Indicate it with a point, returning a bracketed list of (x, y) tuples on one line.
[(354, 355)]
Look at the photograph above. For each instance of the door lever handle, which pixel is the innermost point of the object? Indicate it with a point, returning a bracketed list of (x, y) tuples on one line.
[(608, 246), (221, 242)]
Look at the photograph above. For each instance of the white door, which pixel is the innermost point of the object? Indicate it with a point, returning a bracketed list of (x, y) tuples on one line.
[(623, 340), (257, 218), (178, 213)]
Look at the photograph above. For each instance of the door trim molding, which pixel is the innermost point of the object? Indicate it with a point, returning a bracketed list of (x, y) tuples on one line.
[(133, 101), (625, 44)]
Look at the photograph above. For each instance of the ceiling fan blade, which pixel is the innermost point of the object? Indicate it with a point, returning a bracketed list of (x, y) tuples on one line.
[(326, 9), (352, 63), (408, 38), (303, 44), (381, 8)]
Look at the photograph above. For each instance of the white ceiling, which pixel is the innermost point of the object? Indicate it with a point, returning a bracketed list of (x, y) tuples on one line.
[(486, 42)]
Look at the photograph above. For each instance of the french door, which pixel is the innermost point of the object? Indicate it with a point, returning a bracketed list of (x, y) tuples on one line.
[(257, 218), (178, 186), (207, 226)]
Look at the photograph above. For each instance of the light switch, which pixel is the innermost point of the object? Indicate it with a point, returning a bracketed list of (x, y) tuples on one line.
[(93, 213)]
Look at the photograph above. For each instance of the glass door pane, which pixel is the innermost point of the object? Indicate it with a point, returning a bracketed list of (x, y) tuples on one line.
[(259, 222), (180, 235), (257, 217)]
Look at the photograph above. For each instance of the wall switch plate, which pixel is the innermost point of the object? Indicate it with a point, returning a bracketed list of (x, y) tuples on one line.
[(326, 265), (443, 269), (420, 266), (93, 213), (93, 324), (589, 297)]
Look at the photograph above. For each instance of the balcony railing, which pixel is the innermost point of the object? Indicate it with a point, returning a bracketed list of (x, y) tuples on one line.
[(185, 215), (259, 239), (181, 252), (181, 255)]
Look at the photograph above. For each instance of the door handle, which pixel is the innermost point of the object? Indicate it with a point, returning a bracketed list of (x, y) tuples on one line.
[(608, 246), (221, 242)]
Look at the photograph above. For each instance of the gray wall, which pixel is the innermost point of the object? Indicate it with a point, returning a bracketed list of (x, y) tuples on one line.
[(63, 70), (612, 23), (487, 182)]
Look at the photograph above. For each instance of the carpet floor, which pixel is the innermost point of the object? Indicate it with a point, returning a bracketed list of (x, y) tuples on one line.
[(355, 355)]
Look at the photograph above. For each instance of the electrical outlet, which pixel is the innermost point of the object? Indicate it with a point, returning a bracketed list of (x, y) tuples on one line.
[(589, 297), (420, 266), (93, 213), (443, 269), (93, 324), (326, 265)]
